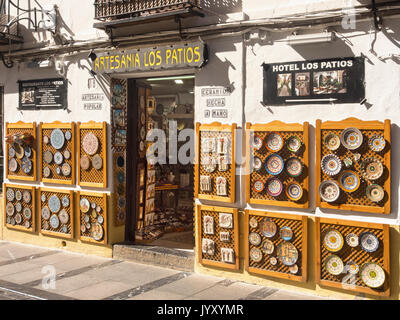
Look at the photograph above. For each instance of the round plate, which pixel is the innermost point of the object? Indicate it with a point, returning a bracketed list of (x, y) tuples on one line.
[(286, 233), (57, 139), (372, 275), (255, 254), (26, 165), (46, 140), (86, 218), (27, 224), (58, 170), (85, 162), (349, 181), (257, 142), (12, 165), (254, 239), (351, 138), (273, 261), (68, 135), (268, 246), (258, 186), (18, 218), (45, 213), (97, 162), (333, 240), (65, 201), (10, 194), (94, 214), (100, 219), (18, 207), (332, 142), (58, 157), (67, 154), (97, 231), (66, 169), (375, 193), (18, 195), (64, 229), (63, 216), (54, 221), (84, 205), (10, 209), (294, 191), (369, 242), (27, 151), (352, 240), (287, 253), (120, 162), (26, 196), (293, 144), (54, 204), (12, 221), (142, 133), (294, 167), (274, 142), (334, 265), (27, 213), (48, 157), (274, 164), (257, 163), (143, 118), (98, 209), (83, 228), (121, 177), (90, 143), (274, 187), (329, 190), (352, 267), (377, 143), (209, 164), (46, 172), (331, 164), (121, 202), (371, 168), (268, 227), (11, 152), (253, 222), (294, 269), (141, 146), (43, 198)]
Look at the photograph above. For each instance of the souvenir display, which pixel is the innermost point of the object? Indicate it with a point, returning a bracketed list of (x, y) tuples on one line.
[(294, 191), (274, 187), (58, 157), (286, 233), (377, 143), (331, 165), (352, 240), (371, 168), (351, 138), (256, 254), (208, 223), (90, 144), (227, 255), (294, 144), (372, 275), (375, 193), (267, 246), (254, 239), (268, 227), (274, 142), (257, 142), (257, 163), (333, 240), (287, 253), (329, 190), (258, 186), (208, 246), (57, 139), (225, 220), (349, 181), (221, 186), (253, 222), (369, 242), (274, 164), (273, 261), (334, 265), (54, 204), (294, 269), (332, 142), (294, 167)]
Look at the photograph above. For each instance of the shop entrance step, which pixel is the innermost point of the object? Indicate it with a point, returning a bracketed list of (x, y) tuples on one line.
[(176, 259)]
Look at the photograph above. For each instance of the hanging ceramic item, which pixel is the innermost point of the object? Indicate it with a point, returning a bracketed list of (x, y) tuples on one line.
[(334, 265), (369, 242), (46, 213), (84, 205), (257, 142), (329, 191), (221, 185), (48, 157), (273, 261), (57, 139), (67, 155), (10, 209), (371, 168), (294, 191), (287, 253), (63, 216), (208, 246), (349, 181), (333, 240), (274, 164), (294, 269), (68, 135), (90, 144), (255, 254), (27, 224), (27, 213), (268, 227), (222, 145), (10, 194), (332, 142), (18, 207), (258, 186), (293, 144), (352, 240), (274, 187), (257, 163), (27, 151), (227, 255), (286, 233), (347, 162), (331, 165), (375, 193), (46, 140), (54, 204), (26, 165), (46, 172), (100, 219), (274, 142), (120, 162), (294, 167), (19, 151), (85, 162), (11, 152), (54, 221), (351, 138), (66, 169), (209, 164), (12, 165), (205, 183), (377, 143), (225, 220), (26, 196), (43, 197), (208, 225), (223, 163), (254, 238), (18, 218), (58, 157), (97, 162), (253, 222), (208, 145), (372, 275), (267, 246)]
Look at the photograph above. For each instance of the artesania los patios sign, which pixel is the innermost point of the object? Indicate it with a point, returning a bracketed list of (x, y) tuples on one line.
[(318, 81), (154, 58)]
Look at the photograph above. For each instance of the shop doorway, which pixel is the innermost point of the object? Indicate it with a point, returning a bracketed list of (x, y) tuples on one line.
[(162, 175)]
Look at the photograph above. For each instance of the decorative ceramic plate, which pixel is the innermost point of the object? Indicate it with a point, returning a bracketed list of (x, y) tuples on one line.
[(45, 225), (375, 193), (352, 240), (329, 190), (255, 254), (83, 228), (254, 239), (273, 261), (48, 157), (257, 163), (84, 205), (258, 186), (97, 231), (274, 164), (27, 213), (12, 165), (26, 165), (352, 267), (349, 181), (67, 154), (209, 164), (90, 143), (120, 162), (274, 142), (58, 170), (11, 152), (257, 142), (54, 221), (377, 143), (10, 194), (286, 233), (141, 145), (66, 169), (253, 222), (58, 157), (121, 177), (12, 221), (26, 196), (86, 218), (267, 246), (97, 162), (331, 164), (371, 168), (268, 227), (57, 139), (294, 269), (88, 225), (94, 214), (46, 172), (43, 197), (142, 133), (351, 138), (333, 240), (372, 275), (63, 216), (27, 224), (142, 118), (294, 167), (294, 191), (369, 242), (54, 204), (274, 187), (18, 218), (68, 135), (287, 253), (10, 209), (98, 209), (85, 162), (65, 201), (64, 229), (100, 219), (46, 140), (18, 207), (332, 142), (27, 151), (293, 144), (334, 265), (45, 213)]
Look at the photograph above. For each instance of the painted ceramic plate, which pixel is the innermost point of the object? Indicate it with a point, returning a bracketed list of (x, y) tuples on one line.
[(332, 142), (333, 240), (257, 142), (65, 201), (11, 152), (121, 177), (88, 225), (26, 196), (63, 216), (141, 146), (18, 218), (97, 162), (58, 157), (287, 253), (12, 165), (54, 204), (351, 138), (26, 165), (46, 140), (286, 233), (294, 167), (90, 144), (10, 194), (258, 186), (84, 205), (349, 181), (142, 118), (64, 229), (120, 162), (375, 193), (377, 143), (274, 187), (67, 154), (352, 267), (254, 239), (372, 275), (68, 135), (369, 242), (100, 219), (94, 214), (255, 254), (46, 172), (10, 209), (331, 164), (274, 142), (142, 133), (97, 231), (45, 213), (83, 228), (274, 164), (57, 139), (267, 246), (294, 269), (18, 207), (294, 191), (27, 213), (54, 221), (273, 261), (371, 168), (329, 190), (352, 240), (86, 218), (253, 222), (66, 169), (27, 224), (12, 221), (48, 157), (43, 197), (98, 209), (334, 265), (85, 162), (27, 151), (257, 163), (293, 144), (58, 170), (268, 227)]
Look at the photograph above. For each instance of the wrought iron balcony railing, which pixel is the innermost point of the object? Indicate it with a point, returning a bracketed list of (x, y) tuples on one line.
[(9, 26)]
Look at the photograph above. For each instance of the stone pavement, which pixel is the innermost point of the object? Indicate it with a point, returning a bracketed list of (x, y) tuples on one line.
[(27, 272)]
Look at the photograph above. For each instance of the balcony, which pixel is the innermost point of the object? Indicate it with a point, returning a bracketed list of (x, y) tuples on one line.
[(9, 33), (117, 13)]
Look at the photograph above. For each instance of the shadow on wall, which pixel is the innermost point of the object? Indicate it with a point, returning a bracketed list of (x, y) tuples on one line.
[(221, 8)]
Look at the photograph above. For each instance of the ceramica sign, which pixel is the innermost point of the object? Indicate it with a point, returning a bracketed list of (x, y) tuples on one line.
[(154, 58)]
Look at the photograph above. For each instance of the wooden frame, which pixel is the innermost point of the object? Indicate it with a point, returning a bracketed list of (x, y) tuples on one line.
[(103, 198), (21, 126), (91, 125), (304, 247), (348, 225), (361, 125), (278, 126), (218, 127), (71, 215), (235, 231), (63, 126), (32, 190)]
